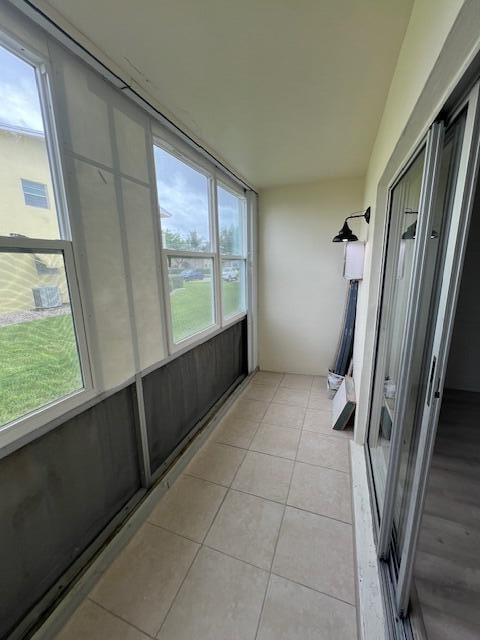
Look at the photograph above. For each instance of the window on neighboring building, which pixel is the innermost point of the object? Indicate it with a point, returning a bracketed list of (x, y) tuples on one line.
[(203, 246), (42, 340), (35, 193)]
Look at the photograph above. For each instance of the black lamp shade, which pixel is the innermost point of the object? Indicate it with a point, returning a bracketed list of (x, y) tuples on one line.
[(345, 234)]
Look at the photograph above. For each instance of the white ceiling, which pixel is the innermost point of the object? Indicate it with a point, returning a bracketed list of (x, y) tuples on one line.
[(283, 90)]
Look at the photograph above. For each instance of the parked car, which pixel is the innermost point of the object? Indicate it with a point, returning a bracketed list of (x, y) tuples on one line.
[(230, 274), (192, 274)]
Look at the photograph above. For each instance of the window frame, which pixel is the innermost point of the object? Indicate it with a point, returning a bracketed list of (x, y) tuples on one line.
[(24, 426), (215, 178), (242, 257)]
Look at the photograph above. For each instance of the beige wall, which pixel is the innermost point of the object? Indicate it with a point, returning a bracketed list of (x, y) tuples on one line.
[(301, 287), (25, 156), (413, 100)]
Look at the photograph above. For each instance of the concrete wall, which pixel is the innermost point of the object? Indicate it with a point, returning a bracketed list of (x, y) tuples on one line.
[(440, 39), (301, 288)]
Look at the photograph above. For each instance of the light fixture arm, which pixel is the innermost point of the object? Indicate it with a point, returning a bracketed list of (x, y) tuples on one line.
[(360, 214)]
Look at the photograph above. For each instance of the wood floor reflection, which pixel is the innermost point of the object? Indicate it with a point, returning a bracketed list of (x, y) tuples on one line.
[(447, 568)]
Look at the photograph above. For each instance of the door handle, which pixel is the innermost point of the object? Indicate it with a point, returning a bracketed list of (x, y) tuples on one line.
[(430, 382)]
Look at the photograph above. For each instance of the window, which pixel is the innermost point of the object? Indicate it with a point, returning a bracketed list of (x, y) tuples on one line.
[(39, 354), (185, 218), (232, 233), (42, 343), (183, 194), (203, 246), (191, 295), (35, 194)]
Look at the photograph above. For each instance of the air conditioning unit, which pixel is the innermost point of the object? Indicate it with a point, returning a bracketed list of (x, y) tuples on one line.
[(47, 297)]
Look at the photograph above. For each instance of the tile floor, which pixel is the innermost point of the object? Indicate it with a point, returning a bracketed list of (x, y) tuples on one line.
[(254, 539)]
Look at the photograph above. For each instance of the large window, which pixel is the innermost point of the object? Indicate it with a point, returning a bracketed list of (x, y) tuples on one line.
[(232, 232), (203, 227), (42, 347)]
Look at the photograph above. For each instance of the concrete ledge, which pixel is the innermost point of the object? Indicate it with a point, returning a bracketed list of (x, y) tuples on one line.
[(370, 609)]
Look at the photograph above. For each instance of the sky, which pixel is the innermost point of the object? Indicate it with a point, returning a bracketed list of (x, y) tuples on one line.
[(19, 101), (183, 193)]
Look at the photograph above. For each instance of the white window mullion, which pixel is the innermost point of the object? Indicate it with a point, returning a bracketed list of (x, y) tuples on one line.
[(217, 259)]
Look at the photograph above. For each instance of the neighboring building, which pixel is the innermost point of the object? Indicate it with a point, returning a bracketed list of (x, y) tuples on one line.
[(27, 208)]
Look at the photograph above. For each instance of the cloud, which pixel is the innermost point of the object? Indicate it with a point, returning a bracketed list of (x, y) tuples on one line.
[(18, 108), (19, 100)]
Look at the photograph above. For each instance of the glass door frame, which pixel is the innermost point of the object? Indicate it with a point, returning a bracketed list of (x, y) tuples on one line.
[(398, 577), (443, 323), (431, 143), (434, 146)]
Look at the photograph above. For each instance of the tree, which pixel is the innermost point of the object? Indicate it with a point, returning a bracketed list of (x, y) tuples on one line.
[(173, 240), (195, 242), (229, 240)]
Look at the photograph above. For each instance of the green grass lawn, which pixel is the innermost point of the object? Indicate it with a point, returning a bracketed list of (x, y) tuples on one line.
[(38, 364), (192, 306), (38, 359)]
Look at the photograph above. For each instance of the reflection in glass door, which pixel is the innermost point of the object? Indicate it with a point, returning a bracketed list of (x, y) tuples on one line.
[(419, 375), (405, 202)]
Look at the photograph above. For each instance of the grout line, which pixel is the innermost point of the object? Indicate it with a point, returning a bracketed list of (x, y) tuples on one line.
[(175, 533), (119, 617), (187, 573), (256, 495), (229, 555), (276, 544), (315, 513), (324, 593)]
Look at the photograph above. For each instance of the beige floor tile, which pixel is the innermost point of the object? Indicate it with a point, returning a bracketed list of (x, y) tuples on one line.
[(320, 384), (142, 581), (256, 391), (246, 527), (319, 401), (245, 409), (276, 441), (318, 420), (235, 431), (321, 422), (221, 599), (297, 381), (265, 476), (94, 623), (189, 507), (317, 552), (284, 415), (296, 397), (325, 451), (216, 462), (271, 378), (323, 491), (294, 612)]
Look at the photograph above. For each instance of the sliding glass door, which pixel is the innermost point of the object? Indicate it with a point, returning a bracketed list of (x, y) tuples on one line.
[(404, 211), (429, 211)]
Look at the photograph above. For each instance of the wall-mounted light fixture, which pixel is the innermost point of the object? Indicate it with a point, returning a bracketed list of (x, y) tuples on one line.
[(346, 234), (410, 232)]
